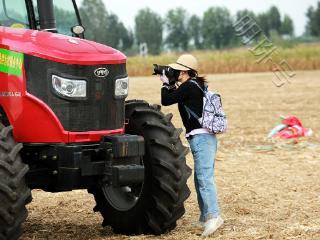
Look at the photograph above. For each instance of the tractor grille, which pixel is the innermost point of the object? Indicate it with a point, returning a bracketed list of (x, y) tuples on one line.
[(100, 111)]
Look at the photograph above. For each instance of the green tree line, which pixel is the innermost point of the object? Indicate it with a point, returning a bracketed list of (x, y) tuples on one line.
[(313, 26), (180, 31)]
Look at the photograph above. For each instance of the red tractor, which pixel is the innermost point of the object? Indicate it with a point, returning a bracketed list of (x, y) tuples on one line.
[(65, 125)]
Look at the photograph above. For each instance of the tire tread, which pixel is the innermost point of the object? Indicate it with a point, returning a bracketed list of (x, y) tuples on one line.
[(166, 189), (14, 191)]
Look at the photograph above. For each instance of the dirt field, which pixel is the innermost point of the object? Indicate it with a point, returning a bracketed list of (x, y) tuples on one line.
[(267, 189)]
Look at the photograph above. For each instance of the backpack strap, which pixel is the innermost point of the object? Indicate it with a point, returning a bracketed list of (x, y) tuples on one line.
[(193, 81), (191, 113), (188, 110), (203, 90)]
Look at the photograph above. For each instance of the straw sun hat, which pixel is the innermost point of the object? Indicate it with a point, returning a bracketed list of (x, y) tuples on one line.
[(186, 62)]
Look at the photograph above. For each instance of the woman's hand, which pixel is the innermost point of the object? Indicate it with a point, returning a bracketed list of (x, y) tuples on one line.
[(164, 79)]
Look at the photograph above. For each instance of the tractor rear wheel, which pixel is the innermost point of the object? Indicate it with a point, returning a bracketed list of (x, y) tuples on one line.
[(14, 192), (159, 201)]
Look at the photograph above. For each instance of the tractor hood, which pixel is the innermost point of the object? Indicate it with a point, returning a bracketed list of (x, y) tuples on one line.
[(58, 48)]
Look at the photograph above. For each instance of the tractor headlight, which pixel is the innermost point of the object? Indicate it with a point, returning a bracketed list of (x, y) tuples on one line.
[(122, 86), (69, 88)]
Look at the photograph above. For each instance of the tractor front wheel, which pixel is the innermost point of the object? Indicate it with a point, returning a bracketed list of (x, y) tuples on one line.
[(156, 205), (14, 192)]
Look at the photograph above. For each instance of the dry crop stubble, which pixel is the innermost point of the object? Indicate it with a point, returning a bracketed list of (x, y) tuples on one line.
[(300, 57), (267, 189)]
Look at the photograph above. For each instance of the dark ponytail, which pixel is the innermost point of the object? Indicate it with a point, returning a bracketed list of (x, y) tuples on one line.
[(194, 74), (202, 79)]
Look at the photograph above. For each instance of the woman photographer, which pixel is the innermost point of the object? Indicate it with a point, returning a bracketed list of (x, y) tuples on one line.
[(203, 144)]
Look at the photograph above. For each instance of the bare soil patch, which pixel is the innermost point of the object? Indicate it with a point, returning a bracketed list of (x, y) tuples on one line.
[(267, 189)]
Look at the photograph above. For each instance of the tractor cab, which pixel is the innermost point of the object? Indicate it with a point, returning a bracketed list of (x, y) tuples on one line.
[(61, 16)]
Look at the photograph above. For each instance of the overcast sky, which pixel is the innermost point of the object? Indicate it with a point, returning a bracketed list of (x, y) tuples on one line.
[(296, 9)]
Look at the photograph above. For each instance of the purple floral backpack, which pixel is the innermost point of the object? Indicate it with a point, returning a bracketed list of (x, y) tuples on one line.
[(213, 117)]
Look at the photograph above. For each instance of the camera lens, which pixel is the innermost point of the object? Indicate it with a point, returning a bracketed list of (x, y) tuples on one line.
[(158, 69)]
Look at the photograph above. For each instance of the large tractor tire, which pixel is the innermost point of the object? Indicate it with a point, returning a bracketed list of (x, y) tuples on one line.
[(14, 192), (155, 206)]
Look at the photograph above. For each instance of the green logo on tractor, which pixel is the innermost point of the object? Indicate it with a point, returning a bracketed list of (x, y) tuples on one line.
[(11, 62)]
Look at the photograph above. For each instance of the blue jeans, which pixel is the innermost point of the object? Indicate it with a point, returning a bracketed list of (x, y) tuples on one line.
[(204, 148)]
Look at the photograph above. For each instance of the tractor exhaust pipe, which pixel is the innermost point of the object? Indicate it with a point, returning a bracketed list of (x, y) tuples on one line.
[(46, 15)]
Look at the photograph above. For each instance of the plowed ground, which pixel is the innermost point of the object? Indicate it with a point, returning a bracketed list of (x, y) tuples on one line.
[(267, 189)]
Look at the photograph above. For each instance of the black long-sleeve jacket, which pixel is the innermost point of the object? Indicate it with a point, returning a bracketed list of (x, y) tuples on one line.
[(187, 94)]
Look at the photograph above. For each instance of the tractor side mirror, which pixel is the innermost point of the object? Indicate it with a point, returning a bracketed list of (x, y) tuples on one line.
[(78, 31)]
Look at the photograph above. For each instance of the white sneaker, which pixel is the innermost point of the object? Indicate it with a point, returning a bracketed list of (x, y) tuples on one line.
[(211, 226)]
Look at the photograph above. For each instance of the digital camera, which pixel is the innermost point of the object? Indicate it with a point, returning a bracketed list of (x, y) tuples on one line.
[(170, 73)]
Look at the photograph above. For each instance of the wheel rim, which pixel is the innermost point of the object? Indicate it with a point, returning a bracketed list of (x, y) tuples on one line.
[(122, 198)]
